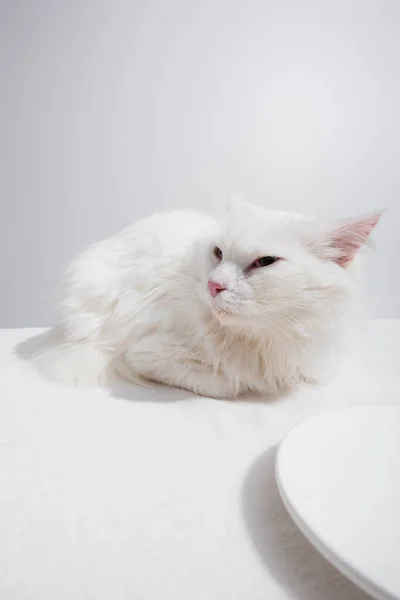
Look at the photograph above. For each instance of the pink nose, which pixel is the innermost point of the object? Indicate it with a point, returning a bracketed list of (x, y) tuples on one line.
[(215, 288)]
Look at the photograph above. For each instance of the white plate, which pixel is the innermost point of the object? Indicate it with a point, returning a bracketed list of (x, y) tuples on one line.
[(339, 477)]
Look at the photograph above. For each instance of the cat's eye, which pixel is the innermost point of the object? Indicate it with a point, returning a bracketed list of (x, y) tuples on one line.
[(264, 261), (217, 253)]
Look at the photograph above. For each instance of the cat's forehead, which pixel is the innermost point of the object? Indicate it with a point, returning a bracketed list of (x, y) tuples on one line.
[(264, 230)]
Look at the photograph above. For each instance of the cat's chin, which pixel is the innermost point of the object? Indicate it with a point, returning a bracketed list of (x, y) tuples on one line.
[(228, 319), (236, 321)]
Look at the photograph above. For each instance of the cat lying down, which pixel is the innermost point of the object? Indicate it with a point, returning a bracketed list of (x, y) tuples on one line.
[(248, 306)]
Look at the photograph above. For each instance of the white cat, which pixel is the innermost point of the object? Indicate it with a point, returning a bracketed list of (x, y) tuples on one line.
[(246, 307)]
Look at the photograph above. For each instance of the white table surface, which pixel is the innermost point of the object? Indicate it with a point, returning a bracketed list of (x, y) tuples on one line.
[(158, 495)]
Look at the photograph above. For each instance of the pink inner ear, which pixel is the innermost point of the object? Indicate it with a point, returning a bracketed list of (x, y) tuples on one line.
[(350, 236)]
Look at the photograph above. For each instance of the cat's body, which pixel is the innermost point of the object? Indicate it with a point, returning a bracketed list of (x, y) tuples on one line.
[(158, 302)]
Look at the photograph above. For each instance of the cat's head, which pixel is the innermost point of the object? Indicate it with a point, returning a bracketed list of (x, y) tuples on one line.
[(281, 271)]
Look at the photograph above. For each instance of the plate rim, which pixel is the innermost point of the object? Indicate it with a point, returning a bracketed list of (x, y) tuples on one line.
[(329, 553)]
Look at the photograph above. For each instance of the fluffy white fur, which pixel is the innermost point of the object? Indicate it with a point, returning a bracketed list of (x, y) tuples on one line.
[(137, 305)]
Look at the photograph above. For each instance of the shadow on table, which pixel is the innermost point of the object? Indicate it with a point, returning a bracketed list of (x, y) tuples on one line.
[(157, 392), (284, 551), (152, 393)]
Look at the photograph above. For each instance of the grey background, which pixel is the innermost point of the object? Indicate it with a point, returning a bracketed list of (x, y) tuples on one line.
[(112, 109)]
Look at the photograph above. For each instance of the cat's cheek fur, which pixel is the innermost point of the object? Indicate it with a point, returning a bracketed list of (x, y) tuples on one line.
[(137, 306)]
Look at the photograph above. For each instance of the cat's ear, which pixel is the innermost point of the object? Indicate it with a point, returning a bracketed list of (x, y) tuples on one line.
[(345, 240), (236, 202)]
